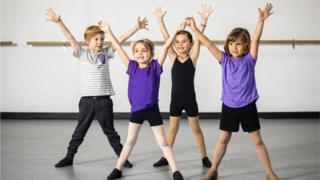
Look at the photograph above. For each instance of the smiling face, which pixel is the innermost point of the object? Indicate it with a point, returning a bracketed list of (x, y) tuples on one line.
[(237, 48), (142, 53), (183, 42), (96, 43), (238, 42)]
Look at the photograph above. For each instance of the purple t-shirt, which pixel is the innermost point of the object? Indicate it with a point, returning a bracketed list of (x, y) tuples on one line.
[(143, 88), (238, 80)]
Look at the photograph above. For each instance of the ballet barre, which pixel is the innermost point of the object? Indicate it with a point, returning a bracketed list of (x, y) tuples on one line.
[(292, 42), (6, 43)]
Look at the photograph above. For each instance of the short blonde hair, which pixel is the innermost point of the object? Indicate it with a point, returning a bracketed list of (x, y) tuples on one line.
[(91, 31)]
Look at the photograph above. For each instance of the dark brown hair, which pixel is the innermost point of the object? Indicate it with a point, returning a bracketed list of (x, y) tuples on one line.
[(184, 32)]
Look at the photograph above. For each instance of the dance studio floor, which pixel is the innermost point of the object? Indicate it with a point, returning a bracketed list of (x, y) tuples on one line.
[(30, 148)]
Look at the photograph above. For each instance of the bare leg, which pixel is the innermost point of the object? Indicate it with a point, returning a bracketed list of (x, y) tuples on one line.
[(262, 153), (133, 131), (174, 122), (219, 151), (171, 136), (158, 132), (197, 133)]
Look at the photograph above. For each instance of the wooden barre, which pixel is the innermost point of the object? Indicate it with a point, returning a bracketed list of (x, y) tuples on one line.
[(6, 43), (292, 42)]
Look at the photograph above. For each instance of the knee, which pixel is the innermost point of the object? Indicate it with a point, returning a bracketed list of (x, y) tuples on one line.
[(223, 142), (163, 143), (196, 130), (131, 142), (257, 142), (173, 129)]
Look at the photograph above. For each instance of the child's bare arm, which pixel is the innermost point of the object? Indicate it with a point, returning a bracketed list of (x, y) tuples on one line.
[(167, 45), (123, 55), (159, 14), (264, 13), (204, 14), (53, 17), (140, 24), (204, 39)]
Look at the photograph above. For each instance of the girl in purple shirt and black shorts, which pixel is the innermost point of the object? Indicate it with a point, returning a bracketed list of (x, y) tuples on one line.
[(239, 93)]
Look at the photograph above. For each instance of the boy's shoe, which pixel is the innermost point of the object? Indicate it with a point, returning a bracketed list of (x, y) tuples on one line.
[(115, 174), (64, 162), (162, 162), (272, 177), (177, 176), (206, 162), (128, 164), (210, 175)]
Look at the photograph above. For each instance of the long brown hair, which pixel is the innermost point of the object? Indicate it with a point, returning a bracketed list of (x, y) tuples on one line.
[(234, 35)]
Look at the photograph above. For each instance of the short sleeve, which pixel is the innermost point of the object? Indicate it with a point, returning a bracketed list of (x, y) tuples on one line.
[(157, 68), (224, 58), (131, 66), (108, 52), (249, 57), (79, 52)]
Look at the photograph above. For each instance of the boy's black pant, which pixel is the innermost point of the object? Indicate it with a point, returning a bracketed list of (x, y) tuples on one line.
[(100, 107)]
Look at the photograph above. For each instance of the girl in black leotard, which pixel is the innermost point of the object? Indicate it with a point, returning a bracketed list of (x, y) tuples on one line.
[(183, 96)]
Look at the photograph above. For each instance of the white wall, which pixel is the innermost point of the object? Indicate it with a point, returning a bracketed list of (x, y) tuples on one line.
[(45, 79)]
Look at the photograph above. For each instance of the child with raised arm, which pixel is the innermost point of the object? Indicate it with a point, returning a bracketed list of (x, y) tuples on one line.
[(239, 93), (95, 85), (144, 79), (184, 55)]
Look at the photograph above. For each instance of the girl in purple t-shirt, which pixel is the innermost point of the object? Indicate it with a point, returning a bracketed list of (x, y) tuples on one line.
[(144, 80), (239, 92)]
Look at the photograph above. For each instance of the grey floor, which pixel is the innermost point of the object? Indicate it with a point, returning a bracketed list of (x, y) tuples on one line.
[(30, 148)]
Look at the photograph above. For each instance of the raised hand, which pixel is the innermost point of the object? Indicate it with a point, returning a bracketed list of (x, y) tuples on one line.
[(182, 25), (104, 26), (190, 22), (159, 13), (205, 12), (142, 24), (265, 12), (52, 16)]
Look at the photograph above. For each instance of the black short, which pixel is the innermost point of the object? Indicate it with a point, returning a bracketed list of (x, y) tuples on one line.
[(190, 106), (247, 116), (151, 114)]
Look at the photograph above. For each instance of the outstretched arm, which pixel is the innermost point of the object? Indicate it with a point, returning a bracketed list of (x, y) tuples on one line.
[(140, 24), (204, 14), (53, 17), (264, 13), (123, 55), (159, 14), (204, 39), (167, 45)]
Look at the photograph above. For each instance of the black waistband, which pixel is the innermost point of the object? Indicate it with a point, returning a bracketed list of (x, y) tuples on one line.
[(97, 97)]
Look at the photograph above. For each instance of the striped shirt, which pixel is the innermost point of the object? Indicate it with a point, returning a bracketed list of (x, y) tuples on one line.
[(94, 72)]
